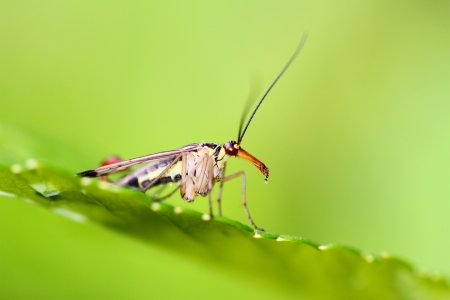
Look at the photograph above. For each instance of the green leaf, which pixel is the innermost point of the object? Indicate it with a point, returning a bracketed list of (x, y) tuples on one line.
[(296, 265)]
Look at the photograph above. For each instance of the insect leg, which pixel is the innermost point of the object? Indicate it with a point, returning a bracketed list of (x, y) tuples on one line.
[(154, 195), (184, 176), (219, 195), (244, 198), (210, 183), (159, 199)]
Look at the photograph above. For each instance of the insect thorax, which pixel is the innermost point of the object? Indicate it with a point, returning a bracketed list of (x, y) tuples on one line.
[(198, 166), (219, 157)]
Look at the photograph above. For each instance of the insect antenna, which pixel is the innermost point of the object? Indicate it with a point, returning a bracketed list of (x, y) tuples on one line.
[(299, 47), (255, 89)]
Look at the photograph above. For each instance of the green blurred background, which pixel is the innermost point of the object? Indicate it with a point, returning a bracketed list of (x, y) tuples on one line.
[(356, 134)]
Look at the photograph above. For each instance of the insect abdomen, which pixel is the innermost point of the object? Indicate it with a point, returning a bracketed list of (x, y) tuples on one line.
[(144, 177)]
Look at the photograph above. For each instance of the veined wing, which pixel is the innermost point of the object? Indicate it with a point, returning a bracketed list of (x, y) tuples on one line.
[(100, 171)]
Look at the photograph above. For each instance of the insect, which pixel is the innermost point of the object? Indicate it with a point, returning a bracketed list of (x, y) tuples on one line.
[(195, 167)]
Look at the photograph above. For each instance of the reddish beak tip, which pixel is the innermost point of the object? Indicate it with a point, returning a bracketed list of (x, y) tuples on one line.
[(259, 164)]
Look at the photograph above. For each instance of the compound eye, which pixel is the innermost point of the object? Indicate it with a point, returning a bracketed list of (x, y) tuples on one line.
[(231, 148)]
